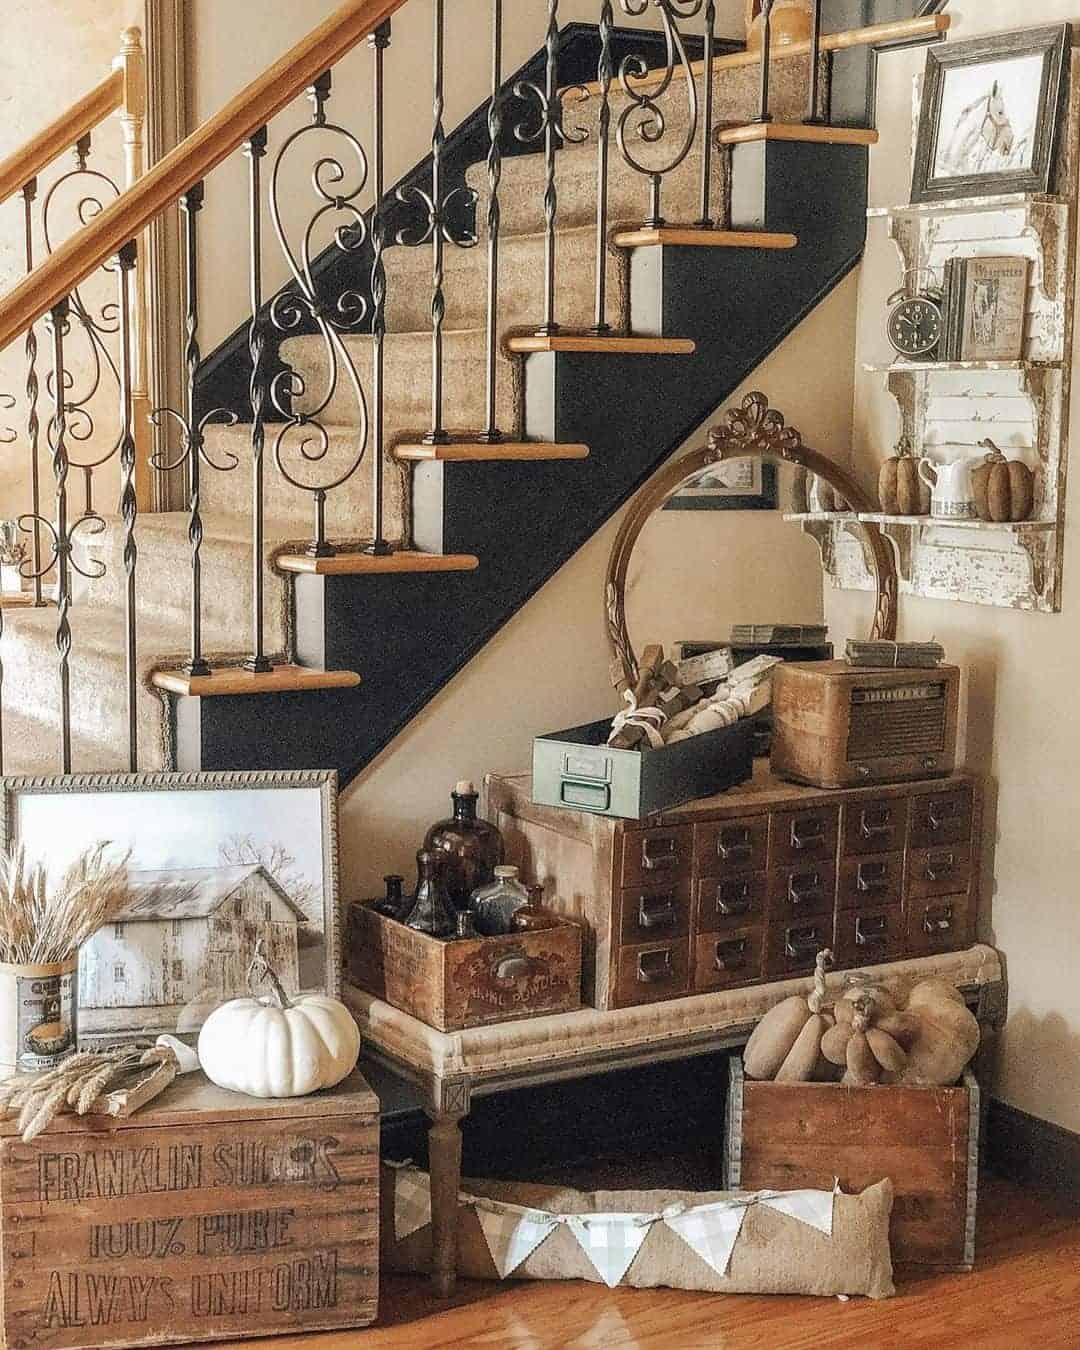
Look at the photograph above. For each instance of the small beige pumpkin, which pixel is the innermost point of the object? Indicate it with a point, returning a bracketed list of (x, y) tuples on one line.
[(1004, 488), (901, 491)]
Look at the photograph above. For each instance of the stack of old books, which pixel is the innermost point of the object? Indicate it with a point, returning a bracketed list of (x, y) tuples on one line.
[(896, 655), (778, 634)]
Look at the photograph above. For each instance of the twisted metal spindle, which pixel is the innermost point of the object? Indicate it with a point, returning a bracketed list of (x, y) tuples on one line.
[(706, 220), (551, 195), (129, 509), (191, 203), (379, 547), (437, 435), (58, 325), (814, 115), (492, 435), (33, 426), (766, 55), (605, 78), (255, 150)]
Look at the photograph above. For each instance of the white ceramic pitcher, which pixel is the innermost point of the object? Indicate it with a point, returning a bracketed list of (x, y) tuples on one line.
[(952, 489)]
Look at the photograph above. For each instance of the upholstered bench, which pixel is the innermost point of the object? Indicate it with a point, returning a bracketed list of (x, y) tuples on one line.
[(450, 1067)]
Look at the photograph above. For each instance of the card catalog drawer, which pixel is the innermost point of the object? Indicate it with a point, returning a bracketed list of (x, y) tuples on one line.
[(869, 936), (938, 925), (722, 962), (792, 949), (730, 902), (653, 971), (731, 845), (939, 871), (878, 826), (655, 912), (802, 892), (802, 836), (873, 882), (658, 855), (940, 818)]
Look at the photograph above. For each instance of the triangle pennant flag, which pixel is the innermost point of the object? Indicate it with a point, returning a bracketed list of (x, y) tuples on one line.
[(810, 1207), (513, 1235), (711, 1231), (412, 1201), (610, 1241)]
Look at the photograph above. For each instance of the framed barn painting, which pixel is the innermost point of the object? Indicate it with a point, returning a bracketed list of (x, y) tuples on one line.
[(990, 115), (217, 863), (734, 485)]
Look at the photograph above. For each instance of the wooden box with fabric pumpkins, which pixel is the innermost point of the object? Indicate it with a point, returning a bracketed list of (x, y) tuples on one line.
[(862, 1083)]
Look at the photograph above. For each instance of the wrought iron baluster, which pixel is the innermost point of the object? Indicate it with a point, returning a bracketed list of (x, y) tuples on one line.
[(257, 662), (33, 426), (128, 501), (706, 220), (814, 115), (58, 327), (437, 435), (379, 41), (766, 56), (492, 435), (605, 77), (645, 94)]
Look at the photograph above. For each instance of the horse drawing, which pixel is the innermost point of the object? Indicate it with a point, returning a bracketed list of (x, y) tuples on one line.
[(984, 139)]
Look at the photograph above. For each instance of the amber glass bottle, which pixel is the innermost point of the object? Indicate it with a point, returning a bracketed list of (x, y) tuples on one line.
[(469, 848)]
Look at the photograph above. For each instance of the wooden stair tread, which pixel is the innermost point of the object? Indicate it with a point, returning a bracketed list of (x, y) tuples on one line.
[(796, 131), (230, 681), (480, 452), (368, 564), (612, 346), (686, 236)]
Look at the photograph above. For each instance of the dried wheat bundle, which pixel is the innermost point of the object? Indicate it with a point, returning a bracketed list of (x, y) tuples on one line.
[(76, 1085), (42, 924)]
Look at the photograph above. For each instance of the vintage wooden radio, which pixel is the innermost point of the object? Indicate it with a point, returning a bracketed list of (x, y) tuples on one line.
[(842, 726)]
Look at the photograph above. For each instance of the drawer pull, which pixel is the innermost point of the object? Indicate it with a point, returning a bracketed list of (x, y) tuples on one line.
[(805, 887), (874, 824), (655, 967), (731, 955), (872, 877), (733, 897), (658, 855), (942, 813), (734, 844), (803, 944), (585, 796), (657, 911), (940, 868), (871, 932), (938, 919), (807, 833)]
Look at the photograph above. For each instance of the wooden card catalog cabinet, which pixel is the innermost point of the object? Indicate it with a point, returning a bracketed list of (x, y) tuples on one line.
[(208, 1216), (750, 885)]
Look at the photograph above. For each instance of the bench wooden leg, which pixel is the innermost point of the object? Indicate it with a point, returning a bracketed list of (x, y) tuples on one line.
[(444, 1157)]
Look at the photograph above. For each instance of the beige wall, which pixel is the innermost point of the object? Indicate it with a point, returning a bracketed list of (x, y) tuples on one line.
[(1023, 723), (53, 52)]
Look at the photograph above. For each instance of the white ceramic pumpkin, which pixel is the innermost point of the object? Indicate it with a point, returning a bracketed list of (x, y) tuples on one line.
[(277, 1046)]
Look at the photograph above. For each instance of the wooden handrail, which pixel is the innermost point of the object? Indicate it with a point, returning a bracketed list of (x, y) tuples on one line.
[(128, 216), (62, 134)]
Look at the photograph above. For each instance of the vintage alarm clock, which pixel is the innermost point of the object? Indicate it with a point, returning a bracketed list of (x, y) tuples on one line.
[(916, 321)]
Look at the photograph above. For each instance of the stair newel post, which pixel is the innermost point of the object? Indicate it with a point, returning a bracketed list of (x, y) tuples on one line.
[(378, 42), (814, 115), (59, 325), (255, 151), (605, 75), (491, 435), (33, 426), (437, 435), (706, 221), (766, 55), (129, 505), (190, 205)]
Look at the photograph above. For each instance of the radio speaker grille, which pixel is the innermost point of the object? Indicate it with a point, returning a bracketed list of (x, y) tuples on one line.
[(883, 730)]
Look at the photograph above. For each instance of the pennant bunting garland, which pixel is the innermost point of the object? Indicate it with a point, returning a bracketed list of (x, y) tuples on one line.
[(811, 1207), (412, 1201), (610, 1241), (513, 1235), (710, 1230)]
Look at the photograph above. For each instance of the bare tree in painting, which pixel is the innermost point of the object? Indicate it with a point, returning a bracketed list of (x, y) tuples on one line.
[(242, 850)]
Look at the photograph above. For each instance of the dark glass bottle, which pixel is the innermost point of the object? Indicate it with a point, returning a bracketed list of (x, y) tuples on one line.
[(395, 904), (470, 848), (433, 913), (533, 917)]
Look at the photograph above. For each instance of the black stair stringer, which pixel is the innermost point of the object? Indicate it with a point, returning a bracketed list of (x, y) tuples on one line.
[(409, 634)]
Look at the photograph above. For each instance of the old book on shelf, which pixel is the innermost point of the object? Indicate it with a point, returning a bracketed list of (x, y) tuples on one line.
[(986, 307)]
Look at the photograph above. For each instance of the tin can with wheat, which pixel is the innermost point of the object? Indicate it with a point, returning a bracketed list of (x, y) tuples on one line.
[(38, 1015)]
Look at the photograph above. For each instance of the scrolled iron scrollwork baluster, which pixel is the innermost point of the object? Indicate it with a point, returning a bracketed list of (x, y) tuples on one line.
[(129, 506), (551, 126), (491, 434), (193, 454), (255, 150), (605, 79), (33, 425), (302, 301), (706, 220), (379, 41), (645, 92)]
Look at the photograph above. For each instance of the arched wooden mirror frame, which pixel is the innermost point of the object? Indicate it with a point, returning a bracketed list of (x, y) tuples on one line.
[(754, 429)]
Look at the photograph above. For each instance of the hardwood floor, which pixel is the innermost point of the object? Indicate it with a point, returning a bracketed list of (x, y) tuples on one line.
[(1025, 1291)]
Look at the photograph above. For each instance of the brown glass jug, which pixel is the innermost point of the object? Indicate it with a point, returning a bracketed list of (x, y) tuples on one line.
[(432, 914), (469, 848)]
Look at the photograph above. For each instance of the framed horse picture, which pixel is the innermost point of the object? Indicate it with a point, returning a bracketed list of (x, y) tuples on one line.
[(990, 115)]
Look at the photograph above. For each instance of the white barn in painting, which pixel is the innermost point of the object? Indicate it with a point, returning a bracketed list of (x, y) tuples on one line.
[(187, 932)]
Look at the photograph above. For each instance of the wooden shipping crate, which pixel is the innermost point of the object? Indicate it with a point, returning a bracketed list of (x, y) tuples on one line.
[(207, 1216), (790, 1136), (469, 982)]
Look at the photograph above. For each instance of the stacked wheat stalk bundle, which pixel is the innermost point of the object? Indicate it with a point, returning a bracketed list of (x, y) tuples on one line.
[(42, 925)]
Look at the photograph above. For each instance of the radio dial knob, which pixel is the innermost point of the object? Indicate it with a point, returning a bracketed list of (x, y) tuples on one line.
[(929, 762), (863, 770)]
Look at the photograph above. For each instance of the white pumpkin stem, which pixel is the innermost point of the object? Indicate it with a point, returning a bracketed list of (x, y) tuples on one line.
[(816, 1001), (261, 971)]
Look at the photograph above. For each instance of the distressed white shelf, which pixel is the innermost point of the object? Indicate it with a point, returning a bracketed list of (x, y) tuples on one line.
[(955, 367), (967, 206)]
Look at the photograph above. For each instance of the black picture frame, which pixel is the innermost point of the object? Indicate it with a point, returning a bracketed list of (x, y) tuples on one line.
[(1053, 43), (766, 499)]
